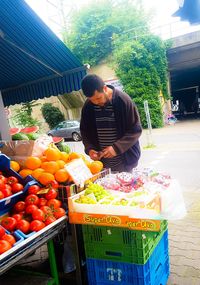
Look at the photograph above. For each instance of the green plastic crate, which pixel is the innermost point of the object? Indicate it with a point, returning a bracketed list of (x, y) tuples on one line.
[(120, 244)]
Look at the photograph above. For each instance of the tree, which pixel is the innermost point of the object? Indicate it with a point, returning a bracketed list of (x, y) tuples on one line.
[(24, 117), (93, 27), (142, 69), (52, 115)]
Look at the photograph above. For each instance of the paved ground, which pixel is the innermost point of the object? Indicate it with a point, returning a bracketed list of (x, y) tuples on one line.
[(178, 152)]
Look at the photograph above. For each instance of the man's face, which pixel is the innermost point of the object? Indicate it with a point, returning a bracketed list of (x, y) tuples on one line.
[(100, 98)]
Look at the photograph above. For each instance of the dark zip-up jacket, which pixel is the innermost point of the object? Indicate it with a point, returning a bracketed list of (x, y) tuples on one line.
[(128, 128)]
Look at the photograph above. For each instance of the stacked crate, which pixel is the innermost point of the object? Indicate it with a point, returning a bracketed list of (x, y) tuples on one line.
[(126, 257)]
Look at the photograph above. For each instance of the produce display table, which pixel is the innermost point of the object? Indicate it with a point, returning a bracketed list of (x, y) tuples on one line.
[(27, 246)]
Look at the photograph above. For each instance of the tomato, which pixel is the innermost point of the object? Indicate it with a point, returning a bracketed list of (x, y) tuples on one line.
[(59, 212), (32, 199), (54, 204), (4, 246), (2, 231), (12, 180), (53, 184), (6, 190), (19, 206), (23, 226), (3, 179), (1, 195), (38, 215), (9, 223), (30, 209), (9, 238), (46, 210), (36, 225), (33, 189), (17, 187), (42, 202), (17, 217), (49, 220), (52, 194)]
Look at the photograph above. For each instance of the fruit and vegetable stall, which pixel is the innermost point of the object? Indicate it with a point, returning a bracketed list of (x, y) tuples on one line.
[(122, 216)]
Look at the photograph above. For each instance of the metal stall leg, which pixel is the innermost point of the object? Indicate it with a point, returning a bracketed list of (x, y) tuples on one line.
[(53, 265)]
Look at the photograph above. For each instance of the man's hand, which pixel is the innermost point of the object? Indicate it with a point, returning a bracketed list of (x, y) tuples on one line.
[(94, 155), (109, 152)]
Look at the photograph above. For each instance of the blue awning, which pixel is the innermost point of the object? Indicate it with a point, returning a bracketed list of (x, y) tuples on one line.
[(34, 62)]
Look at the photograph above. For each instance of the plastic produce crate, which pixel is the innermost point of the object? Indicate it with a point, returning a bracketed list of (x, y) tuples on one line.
[(154, 272), (120, 244), (7, 203)]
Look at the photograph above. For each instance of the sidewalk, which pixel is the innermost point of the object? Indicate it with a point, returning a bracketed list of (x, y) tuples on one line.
[(181, 143)]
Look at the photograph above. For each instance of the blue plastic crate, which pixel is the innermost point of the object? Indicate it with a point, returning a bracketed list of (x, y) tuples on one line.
[(23, 235), (154, 272), (7, 203), (17, 236)]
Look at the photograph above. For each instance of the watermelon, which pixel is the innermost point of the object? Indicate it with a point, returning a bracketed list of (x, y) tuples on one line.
[(29, 130), (33, 136), (57, 139), (14, 131), (19, 137)]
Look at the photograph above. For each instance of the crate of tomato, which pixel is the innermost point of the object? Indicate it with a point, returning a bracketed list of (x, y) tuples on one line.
[(12, 185)]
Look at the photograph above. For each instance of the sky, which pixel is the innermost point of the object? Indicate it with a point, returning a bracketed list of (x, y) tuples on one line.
[(163, 24)]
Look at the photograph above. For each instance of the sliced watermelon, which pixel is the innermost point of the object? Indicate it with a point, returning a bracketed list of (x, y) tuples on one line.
[(14, 131), (29, 130), (57, 139)]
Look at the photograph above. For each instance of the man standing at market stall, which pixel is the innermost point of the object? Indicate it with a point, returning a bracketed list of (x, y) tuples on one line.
[(110, 125)]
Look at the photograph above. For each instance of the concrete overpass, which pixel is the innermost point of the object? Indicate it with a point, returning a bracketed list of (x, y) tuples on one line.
[(184, 69)]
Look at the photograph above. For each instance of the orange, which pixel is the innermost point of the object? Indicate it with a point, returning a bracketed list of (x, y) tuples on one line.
[(50, 166), (96, 166), (74, 155), (43, 158), (36, 173), (64, 156), (87, 162), (45, 178), (61, 175), (61, 163), (52, 154), (25, 172), (32, 162), (14, 165)]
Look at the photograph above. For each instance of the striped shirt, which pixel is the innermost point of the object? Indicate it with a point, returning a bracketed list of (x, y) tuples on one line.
[(107, 134)]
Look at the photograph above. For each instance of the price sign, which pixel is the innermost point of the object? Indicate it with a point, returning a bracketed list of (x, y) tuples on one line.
[(78, 171)]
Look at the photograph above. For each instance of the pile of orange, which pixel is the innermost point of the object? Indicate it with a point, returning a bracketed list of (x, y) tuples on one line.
[(51, 164)]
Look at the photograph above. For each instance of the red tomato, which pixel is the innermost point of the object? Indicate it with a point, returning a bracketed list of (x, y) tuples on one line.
[(58, 213), (1, 195), (3, 179), (9, 238), (42, 202), (12, 180), (17, 217), (52, 194), (32, 199), (19, 206), (49, 220), (23, 226), (9, 223), (6, 190), (54, 204), (36, 225), (4, 246), (30, 209), (2, 231), (33, 189), (17, 187), (53, 184), (46, 210), (38, 215)]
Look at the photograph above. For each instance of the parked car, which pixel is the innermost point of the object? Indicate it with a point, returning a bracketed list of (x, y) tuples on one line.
[(67, 129)]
